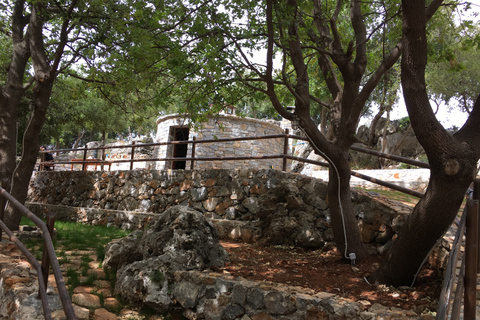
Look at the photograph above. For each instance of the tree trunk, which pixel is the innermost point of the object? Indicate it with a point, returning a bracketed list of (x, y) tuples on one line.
[(431, 217), (344, 223), (8, 146), (12, 92), (452, 161), (373, 126), (31, 138), (27, 43)]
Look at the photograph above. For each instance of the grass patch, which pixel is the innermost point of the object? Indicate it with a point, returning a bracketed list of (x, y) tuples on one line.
[(78, 236), (73, 236), (395, 195)]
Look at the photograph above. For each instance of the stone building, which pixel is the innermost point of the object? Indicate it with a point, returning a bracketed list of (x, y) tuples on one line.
[(223, 126)]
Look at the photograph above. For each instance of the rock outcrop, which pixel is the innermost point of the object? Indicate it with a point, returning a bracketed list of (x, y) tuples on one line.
[(182, 239)]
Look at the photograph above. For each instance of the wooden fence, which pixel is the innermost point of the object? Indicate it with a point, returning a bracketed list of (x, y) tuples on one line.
[(102, 162), (460, 280)]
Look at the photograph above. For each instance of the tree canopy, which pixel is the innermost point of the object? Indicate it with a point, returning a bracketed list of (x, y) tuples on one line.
[(329, 59)]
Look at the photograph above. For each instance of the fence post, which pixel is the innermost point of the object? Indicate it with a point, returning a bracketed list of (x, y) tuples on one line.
[(132, 156), (45, 257), (192, 163), (285, 150), (476, 196), (84, 164), (102, 166), (471, 251), (42, 160)]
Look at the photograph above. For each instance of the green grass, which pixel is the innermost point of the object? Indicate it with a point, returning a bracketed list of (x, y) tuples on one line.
[(395, 195), (78, 236)]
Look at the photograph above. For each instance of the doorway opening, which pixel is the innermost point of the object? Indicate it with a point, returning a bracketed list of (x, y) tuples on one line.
[(179, 150)]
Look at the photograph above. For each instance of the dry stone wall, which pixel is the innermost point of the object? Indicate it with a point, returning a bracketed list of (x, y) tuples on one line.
[(253, 205), (242, 203)]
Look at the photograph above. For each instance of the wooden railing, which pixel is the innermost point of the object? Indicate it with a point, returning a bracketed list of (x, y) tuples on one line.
[(285, 156), (49, 256), (460, 282)]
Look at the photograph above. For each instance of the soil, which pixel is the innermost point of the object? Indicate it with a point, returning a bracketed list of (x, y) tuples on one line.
[(325, 271)]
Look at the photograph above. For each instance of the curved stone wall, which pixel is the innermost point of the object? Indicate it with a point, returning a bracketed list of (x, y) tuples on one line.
[(266, 199), (222, 127)]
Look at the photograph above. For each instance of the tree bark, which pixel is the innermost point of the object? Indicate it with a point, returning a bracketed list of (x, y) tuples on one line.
[(344, 222), (12, 92), (27, 44), (452, 161)]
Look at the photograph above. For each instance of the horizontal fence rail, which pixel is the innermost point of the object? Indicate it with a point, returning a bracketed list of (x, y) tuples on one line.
[(49, 251), (285, 156)]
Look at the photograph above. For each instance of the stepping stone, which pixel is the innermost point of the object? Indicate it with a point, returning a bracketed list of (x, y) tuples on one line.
[(86, 300), (112, 303), (83, 289), (81, 313), (103, 314), (102, 284)]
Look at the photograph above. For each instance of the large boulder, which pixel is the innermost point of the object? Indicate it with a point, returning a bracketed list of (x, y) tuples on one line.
[(185, 239), (182, 239)]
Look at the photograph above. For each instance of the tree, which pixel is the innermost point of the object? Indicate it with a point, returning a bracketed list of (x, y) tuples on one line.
[(452, 159), (318, 41), (454, 64), (101, 42), (46, 38)]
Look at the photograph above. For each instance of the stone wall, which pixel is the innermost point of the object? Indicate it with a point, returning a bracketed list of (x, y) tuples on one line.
[(244, 204), (248, 204), (222, 127), (201, 294)]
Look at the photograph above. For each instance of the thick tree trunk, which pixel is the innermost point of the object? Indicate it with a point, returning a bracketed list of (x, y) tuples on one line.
[(25, 46), (344, 223), (7, 143), (31, 144), (12, 92), (431, 217), (452, 162)]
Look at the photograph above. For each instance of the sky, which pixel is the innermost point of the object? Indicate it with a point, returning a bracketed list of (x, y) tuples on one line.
[(447, 119)]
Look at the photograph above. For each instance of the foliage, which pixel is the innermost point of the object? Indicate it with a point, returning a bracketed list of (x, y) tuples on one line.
[(404, 124), (157, 277), (454, 60)]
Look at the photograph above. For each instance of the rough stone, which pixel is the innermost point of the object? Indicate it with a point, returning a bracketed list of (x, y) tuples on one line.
[(122, 251), (86, 300), (103, 314), (145, 282), (184, 238), (291, 208)]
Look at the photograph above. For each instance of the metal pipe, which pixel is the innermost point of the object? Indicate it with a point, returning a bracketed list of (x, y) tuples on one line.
[(471, 251), (62, 289), (34, 263), (447, 286)]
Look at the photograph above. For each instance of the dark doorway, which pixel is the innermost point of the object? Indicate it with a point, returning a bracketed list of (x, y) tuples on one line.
[(180, 150)]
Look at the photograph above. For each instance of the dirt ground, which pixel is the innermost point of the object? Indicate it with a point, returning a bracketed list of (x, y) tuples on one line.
[(324, 271)]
